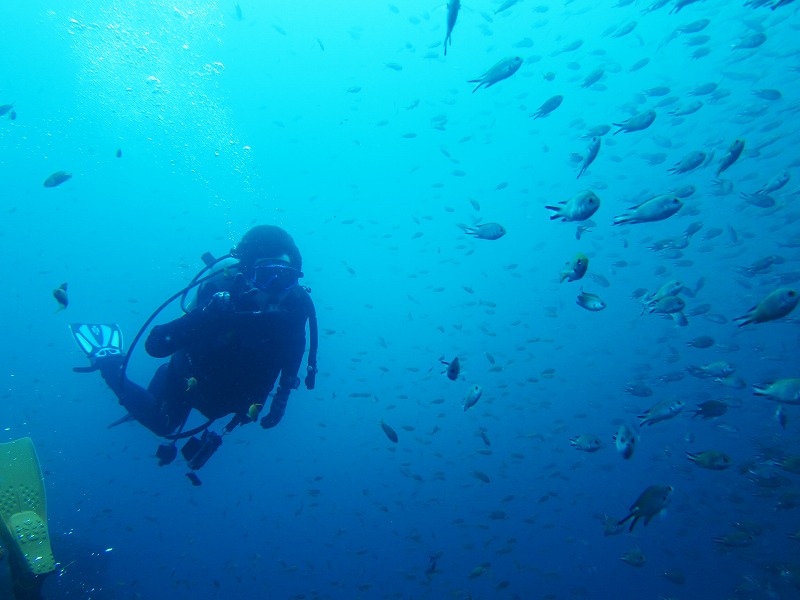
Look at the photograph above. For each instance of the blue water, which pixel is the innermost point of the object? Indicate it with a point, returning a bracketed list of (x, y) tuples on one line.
[(345, 124)]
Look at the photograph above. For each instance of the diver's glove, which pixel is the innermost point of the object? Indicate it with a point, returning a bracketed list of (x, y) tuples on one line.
[(220, 304), (276, 409), (311, 376)]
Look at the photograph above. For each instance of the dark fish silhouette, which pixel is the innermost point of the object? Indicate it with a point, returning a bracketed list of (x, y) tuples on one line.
[(60, 294), (57, 178)]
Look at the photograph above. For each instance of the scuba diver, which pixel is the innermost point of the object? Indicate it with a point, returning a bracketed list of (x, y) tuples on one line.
[(23, 521), (245, 331)]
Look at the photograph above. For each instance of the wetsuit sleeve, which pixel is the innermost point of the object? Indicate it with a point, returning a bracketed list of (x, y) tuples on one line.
[(290, 360), (292, 356), (290, 365), (166, 339)]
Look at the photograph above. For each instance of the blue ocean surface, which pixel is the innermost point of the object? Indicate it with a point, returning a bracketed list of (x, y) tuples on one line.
[(184, 123)]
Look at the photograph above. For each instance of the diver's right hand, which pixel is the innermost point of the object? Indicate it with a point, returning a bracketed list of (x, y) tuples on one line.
[(220, 304)]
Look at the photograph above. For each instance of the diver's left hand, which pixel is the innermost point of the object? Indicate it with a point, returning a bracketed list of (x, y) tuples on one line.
[(220, 303)]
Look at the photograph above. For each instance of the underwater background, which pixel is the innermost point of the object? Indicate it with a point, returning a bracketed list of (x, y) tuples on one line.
[(346, 124)]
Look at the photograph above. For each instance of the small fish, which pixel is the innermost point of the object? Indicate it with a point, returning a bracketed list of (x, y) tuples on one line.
[(593, 78), (689, 162), (5, 108), (472, 396), (482, 476), (590, 302), (783, 390), (485, 231), (597, 131), (586, 443), (600, 280), (238, 9), (649, 503), (591, 154), (776, 305), (678, 5), (717, 369), (571, 47), (549, 106), (453, 368), (780, 416), (776, 183), (750, 41), (671, 288), (431, 569), (452, 15), (666, 306), (634, 558), (119, 153), (191, 383), (731, 156), (710, 409), (390, 433), (578, 208), (611, 527), (581, 229), (57, 178), (505, 6), (60, 294), (625, 441), (661, 411), (710, 459), (502, 70), (252, 412), (655, 209), (575, 269), (639, 389), (637, 122), (688, 109)]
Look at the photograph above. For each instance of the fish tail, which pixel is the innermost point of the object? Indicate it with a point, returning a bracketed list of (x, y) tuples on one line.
[(557, 214)]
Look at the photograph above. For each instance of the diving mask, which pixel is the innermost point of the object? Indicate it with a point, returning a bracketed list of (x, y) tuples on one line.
[(275, 276)]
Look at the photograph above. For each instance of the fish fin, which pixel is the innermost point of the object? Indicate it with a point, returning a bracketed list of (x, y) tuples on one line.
[(626, 519), (557, 213)]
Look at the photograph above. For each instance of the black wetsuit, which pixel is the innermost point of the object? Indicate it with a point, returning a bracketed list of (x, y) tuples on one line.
[(223, 358)]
